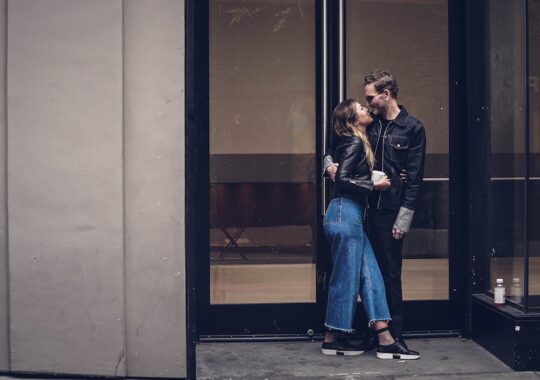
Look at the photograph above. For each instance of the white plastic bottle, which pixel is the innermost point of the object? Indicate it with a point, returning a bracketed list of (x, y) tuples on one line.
[(516, 293), (499, 293)]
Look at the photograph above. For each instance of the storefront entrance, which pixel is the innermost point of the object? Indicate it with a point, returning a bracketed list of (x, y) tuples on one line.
[(275, 71)]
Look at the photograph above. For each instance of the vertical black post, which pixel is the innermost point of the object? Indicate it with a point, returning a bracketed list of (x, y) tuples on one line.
[(322, 263), (196, 171), (458, 161), (478, 149), (527, 167), (334, 60), (331, 11)]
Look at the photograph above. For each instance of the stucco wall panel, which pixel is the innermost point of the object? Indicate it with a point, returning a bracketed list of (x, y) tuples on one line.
[(4, 327), (154, 173), (65, 186)]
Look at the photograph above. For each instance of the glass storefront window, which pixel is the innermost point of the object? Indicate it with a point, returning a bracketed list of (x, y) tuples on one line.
[(533, 231), (262, 151), (508, 128), (507, 102), (410, 39), (514, 107)]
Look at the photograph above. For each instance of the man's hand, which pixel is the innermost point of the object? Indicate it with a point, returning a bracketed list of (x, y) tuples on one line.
[(403, 176), (331, 171), (397, 233)]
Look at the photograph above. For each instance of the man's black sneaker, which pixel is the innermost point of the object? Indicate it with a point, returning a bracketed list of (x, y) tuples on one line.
[(341, 347), (371, 343), (396, 351)]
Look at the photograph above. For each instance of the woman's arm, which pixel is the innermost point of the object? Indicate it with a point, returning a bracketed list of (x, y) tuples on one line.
[(347, 177)]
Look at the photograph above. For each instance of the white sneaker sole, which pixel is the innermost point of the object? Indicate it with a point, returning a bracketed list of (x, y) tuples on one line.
[(326, 351), (384, 355)]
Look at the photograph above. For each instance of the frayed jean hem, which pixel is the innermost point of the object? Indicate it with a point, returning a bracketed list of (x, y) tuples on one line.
[(371, 323), (335, 329)]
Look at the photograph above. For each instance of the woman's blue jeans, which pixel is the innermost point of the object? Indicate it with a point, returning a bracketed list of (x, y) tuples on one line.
[(355, 268)]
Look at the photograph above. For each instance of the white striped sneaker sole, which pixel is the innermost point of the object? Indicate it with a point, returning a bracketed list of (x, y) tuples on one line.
[(384, 355), (326, 351)]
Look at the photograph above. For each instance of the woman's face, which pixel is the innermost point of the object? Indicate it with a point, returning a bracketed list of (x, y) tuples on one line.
[(364, 117)]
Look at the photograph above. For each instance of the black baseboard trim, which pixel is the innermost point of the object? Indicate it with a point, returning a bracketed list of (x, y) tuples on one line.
[(314, 337)]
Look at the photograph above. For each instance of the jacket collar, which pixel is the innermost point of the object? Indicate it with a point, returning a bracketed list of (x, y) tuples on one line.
[(401, 118)]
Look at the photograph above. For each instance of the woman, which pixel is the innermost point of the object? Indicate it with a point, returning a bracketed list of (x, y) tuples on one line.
[(355, 267)]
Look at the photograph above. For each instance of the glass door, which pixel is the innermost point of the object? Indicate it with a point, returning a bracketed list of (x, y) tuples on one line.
[(410, 39), (263, 232)]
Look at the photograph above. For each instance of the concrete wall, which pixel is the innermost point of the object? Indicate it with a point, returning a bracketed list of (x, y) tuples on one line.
[(95, 197), (154, 186), (4, 325)]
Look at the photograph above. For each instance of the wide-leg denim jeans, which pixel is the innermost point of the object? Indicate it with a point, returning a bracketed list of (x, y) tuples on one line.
[(355, 268)]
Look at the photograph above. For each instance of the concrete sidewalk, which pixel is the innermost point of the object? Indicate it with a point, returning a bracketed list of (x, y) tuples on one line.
[(442, 358)]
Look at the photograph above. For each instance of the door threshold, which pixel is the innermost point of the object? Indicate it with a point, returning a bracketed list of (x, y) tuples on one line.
[(314, 337), (260, 338)]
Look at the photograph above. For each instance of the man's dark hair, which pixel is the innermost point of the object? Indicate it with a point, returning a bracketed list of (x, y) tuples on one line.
[(382, 80)]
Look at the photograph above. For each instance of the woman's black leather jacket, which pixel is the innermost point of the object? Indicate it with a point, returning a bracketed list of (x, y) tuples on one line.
[(353, 177)]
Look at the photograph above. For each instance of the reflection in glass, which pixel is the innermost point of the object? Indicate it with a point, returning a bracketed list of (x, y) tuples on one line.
[(410, 39), (262, 151), (506, 62), (534, 154)]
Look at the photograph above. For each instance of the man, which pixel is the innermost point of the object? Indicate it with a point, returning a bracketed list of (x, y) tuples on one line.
[(399, 143)]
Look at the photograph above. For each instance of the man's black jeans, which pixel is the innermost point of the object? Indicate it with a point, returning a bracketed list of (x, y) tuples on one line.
[(388, 254)]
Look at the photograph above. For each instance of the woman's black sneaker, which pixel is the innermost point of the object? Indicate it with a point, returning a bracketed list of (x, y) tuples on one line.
[(341, 347), (402, 342), (396, 351)]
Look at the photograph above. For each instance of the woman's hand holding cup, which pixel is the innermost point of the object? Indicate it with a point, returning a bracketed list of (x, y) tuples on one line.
[(380, 180)]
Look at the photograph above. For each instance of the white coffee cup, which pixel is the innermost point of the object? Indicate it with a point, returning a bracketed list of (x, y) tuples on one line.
[(377, 175)]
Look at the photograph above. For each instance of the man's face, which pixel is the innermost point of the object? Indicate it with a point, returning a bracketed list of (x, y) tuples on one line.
[(375, 100)]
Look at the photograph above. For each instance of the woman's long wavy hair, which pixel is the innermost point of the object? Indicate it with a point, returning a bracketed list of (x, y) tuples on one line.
[(345, 122)]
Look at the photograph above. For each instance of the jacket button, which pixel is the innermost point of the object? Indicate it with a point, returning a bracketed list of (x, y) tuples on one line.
[(398, 145)]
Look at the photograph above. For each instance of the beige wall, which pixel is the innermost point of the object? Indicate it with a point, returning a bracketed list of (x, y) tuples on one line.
[(154, 187), (95, 200), (4, 333)]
